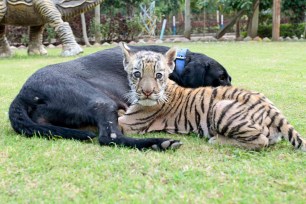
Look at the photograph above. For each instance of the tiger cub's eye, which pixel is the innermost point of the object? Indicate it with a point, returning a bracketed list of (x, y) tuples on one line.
[(137, 74), (159, 75)]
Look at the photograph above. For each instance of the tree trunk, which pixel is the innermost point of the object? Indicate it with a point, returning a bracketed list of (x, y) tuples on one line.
[(276, 20), (237, 31), (84, 30), (187, 32), (97, 24), (253, 22), (230, 24)]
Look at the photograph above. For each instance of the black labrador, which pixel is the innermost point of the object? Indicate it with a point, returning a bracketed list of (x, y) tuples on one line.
[(66, 99)]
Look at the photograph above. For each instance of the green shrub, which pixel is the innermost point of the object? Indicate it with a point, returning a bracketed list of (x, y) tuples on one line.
[(51, 34), (286, 30), (264, 31), (25, 39), (134, 27), (292, 30), (117, 28), (244, 34)]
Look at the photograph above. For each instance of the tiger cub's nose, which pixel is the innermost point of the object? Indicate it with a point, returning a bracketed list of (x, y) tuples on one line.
[(147, 92)]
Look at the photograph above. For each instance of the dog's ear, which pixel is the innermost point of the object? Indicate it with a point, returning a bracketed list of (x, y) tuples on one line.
[(127, 53), (170, 57)]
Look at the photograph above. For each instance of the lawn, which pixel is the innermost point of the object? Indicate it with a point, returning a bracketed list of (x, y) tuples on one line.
[(37, 170)]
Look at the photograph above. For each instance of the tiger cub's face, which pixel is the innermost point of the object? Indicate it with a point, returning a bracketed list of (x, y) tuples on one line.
[(148, 75)]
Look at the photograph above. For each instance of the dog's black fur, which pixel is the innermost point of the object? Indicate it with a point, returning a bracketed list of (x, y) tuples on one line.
[(64, 98)]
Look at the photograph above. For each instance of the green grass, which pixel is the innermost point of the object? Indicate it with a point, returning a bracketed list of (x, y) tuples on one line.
[(37, 170)]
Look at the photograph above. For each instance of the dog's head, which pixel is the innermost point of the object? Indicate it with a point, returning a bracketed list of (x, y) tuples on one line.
[(201, 70)]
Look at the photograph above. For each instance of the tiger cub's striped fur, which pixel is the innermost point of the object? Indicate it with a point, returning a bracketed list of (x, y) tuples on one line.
[(226, 115)]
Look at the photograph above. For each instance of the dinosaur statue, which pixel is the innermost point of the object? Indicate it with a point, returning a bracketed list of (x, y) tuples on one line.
[(37, 13)]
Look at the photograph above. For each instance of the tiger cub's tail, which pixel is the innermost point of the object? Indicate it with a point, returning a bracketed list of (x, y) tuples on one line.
[(287, 130)]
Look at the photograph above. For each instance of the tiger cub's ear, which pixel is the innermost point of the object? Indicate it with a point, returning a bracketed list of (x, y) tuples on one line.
[(170, 57), (127, 53)]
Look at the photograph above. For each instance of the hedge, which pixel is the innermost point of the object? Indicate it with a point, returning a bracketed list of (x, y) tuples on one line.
[(286, 30)]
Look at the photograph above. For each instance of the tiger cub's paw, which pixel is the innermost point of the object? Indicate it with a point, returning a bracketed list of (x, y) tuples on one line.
[(213, 140), (168, 144)]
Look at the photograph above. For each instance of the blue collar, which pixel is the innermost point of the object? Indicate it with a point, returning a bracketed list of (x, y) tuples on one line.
[(180, 60)]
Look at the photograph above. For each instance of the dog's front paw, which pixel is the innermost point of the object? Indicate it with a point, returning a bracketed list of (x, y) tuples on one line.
[(167, 144)]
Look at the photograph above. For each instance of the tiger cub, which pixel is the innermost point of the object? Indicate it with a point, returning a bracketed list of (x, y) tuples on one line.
[(226, 115)]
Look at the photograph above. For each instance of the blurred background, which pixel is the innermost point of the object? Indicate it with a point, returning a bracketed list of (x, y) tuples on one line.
[(132, 20)]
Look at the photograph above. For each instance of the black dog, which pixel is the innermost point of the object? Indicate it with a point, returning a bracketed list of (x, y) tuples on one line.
[(66, 98)]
